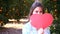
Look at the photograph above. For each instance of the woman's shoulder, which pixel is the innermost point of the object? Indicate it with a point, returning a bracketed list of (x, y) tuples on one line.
[(27, 25)]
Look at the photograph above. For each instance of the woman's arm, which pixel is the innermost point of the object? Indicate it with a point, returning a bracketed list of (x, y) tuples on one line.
[(47, 30), (29, 29), (26, 29)]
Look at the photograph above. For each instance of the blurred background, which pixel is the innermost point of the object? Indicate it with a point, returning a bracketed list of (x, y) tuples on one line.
[(13, 13)]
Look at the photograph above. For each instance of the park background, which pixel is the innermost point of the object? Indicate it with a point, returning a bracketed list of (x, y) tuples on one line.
[(19, 9)]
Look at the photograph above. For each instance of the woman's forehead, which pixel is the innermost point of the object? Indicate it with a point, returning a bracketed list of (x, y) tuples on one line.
[(38, 8)]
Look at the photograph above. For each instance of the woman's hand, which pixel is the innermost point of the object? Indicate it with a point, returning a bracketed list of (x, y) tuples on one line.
[(40, 31)]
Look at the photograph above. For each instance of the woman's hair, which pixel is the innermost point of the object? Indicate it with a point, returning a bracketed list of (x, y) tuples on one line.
[(34, 5)]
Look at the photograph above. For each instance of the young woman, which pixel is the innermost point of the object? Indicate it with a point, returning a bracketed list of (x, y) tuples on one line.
[(36, 8)]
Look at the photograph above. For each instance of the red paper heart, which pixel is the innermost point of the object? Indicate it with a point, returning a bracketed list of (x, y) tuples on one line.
[(41, 21)]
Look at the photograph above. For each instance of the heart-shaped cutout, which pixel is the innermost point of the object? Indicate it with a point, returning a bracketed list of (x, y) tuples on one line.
[(41, 21)]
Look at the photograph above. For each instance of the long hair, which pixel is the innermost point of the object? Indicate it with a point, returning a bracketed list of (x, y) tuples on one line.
[(34, 5)]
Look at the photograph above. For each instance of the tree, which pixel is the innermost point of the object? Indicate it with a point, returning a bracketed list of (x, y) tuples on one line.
[(53, 7)]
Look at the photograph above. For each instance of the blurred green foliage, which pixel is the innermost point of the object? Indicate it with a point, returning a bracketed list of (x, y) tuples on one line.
[(18, 8)]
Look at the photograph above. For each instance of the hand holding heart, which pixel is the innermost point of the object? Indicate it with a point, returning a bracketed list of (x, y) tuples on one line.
[(41, 21), (40, 31)]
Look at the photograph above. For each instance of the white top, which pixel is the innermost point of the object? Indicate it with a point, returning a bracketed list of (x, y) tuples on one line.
[(29, 29)]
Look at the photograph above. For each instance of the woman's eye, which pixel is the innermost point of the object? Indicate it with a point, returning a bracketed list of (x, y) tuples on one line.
[(40, 11), (36, 11)]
